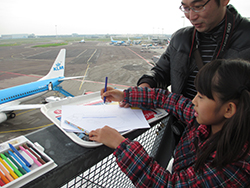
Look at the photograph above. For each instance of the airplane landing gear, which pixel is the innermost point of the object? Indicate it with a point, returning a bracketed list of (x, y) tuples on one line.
[(12, 115)]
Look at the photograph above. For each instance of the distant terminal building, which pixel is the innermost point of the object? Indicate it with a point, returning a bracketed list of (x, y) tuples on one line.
[(25, 36), (15, 36)]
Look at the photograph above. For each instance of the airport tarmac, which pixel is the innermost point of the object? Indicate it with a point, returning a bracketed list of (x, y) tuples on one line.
[(22, 64)]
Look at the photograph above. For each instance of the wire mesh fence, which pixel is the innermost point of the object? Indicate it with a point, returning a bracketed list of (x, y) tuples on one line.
[(107, 174)]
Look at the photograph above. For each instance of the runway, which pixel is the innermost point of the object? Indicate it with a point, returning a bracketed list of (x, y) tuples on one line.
[(22, 64)]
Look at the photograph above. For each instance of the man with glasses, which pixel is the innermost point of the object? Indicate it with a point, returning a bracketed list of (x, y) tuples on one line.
[(218, 31)]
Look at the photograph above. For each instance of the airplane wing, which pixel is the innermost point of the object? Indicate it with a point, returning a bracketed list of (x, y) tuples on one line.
[(21, 107), (70, 78)]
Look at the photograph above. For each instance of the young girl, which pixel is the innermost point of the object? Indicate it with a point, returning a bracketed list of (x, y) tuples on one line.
[(213, 150)]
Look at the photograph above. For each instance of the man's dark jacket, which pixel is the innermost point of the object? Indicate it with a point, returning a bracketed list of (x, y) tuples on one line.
[(174, 66)]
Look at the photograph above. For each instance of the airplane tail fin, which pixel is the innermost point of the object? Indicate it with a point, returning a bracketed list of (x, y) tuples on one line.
[(58, 67)]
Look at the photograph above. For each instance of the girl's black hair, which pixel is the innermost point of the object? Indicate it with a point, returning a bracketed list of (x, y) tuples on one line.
[(230, 80)]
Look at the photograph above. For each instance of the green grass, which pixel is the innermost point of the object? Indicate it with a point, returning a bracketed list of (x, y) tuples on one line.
[(47, 42), (10, 44), (50, 45)]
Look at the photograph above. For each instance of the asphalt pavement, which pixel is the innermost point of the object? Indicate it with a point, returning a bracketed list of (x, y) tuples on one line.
[(22, 64)]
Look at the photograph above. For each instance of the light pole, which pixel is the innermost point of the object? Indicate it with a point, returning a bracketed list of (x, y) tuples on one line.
[(56, 31)]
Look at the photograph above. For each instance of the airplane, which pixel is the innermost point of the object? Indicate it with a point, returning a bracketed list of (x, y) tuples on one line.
[(137, 42), (10, 98), (82, 41), (129, 41), (147, 43), (117, 42)]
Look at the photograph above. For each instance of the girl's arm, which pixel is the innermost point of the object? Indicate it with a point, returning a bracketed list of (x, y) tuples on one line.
[(143, 171), (181, 107)]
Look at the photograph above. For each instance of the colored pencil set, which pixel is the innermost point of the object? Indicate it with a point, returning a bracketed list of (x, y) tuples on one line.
[(15, 163), (22, 161)]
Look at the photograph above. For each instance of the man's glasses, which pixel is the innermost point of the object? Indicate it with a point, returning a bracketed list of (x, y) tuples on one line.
[(199, 8)]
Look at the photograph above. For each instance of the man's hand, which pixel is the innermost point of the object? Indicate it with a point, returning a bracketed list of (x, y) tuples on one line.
[(144, 85), (108, 136)]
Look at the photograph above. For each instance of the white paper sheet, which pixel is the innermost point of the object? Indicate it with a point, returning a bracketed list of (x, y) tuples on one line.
[(97, 116)]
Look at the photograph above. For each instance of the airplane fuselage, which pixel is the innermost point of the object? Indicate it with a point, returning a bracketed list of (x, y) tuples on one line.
[(18, 94), (11, 98)]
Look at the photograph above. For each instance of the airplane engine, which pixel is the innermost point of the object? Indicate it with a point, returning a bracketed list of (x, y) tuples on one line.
[(3, 117)]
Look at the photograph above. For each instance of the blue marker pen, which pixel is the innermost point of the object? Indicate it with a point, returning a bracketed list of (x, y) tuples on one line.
[(19, 161), (105, 88), (19, 155)]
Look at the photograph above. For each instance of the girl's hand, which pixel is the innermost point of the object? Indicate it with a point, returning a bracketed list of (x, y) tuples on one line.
[(112, 94), (108, 136)]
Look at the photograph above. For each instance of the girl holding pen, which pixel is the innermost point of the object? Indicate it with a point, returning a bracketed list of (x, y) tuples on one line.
[(214, 148)]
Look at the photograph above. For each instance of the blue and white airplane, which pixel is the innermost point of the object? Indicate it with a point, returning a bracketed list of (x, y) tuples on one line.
[(117, 42), (10, 98)]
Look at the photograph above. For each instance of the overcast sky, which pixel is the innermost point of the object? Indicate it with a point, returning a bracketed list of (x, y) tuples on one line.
[(48, 17)]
